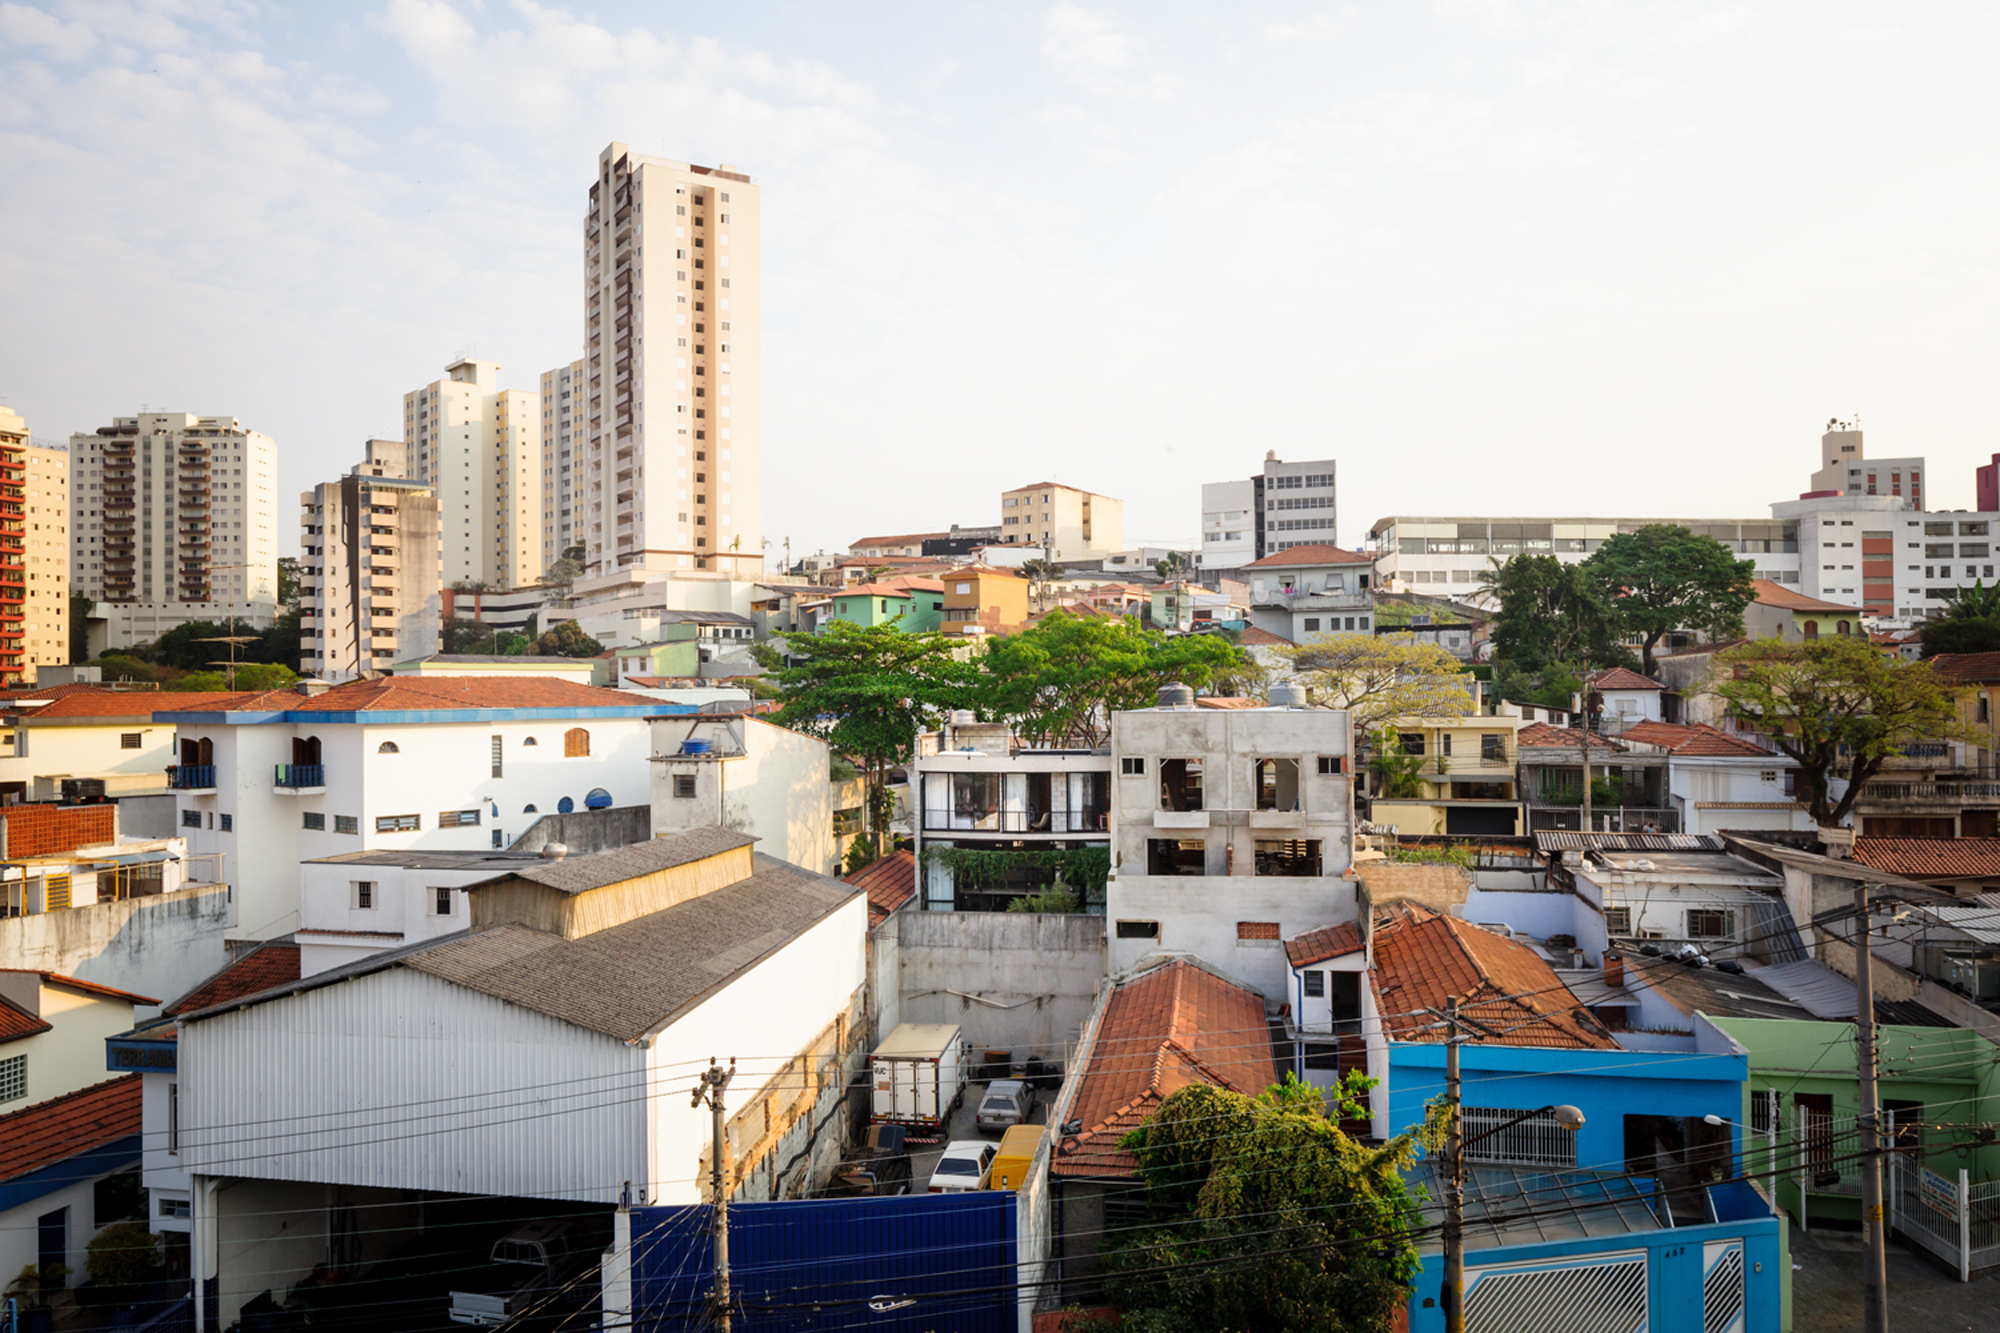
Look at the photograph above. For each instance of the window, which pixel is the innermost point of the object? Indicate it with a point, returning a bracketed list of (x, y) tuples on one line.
[(440, 900), (131, 740), (1176, 856), (1298, 858), (1413, 742), (13, 1078), (458, 819), (1537, 1141), (363, 899), (1315, 984), (529, 809), (173, 1142), (228, 823), (346, 824), (1274, 784), (576, 743), (1257, 930), (1710, 923), (190, 819), (175, 1207), (1138, 930), (1312, 624), (1331, 765), (497, 766), (1180, 784), (1132, 767), (1618, 920), (388, 747), (313, 819), (1763, 1109), (1492, 748), (684, 786), (530, 741), (398, 823)]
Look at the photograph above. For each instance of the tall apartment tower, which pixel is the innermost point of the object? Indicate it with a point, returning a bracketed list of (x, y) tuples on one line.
[(562, 460), (1068, 523), (172, 520), (369, 593), (1287, 504), (34, 552), (479, 447), (1846, 469), (672, 455)]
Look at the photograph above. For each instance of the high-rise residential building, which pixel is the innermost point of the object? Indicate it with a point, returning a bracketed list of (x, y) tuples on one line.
[(562, 460), (369, 593), (672, 440), (1285, 505), (479, 447), (1070, 524), (1846, 469), (34, 552), (172, 520)]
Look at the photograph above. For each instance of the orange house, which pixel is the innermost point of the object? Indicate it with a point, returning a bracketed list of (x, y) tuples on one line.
[(982, 600)]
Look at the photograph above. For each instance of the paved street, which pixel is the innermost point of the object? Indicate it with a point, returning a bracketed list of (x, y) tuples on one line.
[(1923, 1297)]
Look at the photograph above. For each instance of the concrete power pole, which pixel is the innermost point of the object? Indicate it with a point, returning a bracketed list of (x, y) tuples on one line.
[(1875, 1258), (1454, 1183), (713, 1081)]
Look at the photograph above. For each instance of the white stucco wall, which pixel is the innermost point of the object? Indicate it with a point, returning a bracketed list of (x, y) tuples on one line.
[(333, 931), (770, 782), (159, 946), (64, 747)]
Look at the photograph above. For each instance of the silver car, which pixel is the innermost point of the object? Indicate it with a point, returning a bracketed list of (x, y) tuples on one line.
[(1007, 1103)]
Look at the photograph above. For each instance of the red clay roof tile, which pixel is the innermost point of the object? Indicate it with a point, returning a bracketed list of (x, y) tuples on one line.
[(1311, 553), (1972, 667), (1316, 946), (889, 883), (1543, 735), (1920, 858), (419, 693), (56, 1130), (1698, 740), (1776, 594), (259, 970), (1422, 959), (16, 1023), (1620, 678)]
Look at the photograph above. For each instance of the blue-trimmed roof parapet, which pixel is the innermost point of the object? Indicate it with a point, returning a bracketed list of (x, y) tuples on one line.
[(392, 717)]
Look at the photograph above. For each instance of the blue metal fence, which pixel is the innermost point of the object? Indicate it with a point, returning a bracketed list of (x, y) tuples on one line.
[(913, 1264), (301, 775), (190, 777)]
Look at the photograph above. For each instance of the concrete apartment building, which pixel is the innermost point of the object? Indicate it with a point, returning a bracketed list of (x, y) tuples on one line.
[(562, 460), (34, 552), (479, 448), (1072, 524), (1285, 505), (368, 579), (672, 442), (1846, 469), (172, 518)]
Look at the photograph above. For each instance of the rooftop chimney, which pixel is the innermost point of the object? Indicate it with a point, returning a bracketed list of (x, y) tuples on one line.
[(1614, 969), (311, 685)]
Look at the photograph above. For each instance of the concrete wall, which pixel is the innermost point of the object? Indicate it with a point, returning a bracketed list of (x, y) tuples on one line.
[(1441, 888), (160, 946), (1017, 981), (769, 782), (585, 831)]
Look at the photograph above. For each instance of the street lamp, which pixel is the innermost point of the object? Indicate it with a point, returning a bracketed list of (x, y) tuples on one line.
[(1565, 1117)]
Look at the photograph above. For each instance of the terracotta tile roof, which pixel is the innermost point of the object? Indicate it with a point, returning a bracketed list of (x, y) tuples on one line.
[(1967, 666), (1316, 946), (913, 583), (88, 987), (1541, 734), (1423, 958), (1176, 1025), (419, 693), (1619, 678), (56, 1130), (900, 539), (16, 1023), (1776, 594), (871, 590), (262, 968), (1919, 858), (889, 883), (1699, 740), (1253, 637), (91, 702), (1312, 553)]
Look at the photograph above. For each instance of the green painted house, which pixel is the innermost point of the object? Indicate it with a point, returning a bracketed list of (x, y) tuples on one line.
[(910, 604)]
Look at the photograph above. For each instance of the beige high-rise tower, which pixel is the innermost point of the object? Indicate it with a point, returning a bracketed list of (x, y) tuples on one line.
[(479, 448), (369, 595), (34, 552), (672, 460), (562, 460)]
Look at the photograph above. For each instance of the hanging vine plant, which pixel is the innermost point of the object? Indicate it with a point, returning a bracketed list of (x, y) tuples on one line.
[(1086, 868)]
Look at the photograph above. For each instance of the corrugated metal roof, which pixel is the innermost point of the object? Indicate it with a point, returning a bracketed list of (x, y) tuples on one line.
[(1519, 1205), (1571, 841), (1814, 987), (1772, 926), (1980, 923)]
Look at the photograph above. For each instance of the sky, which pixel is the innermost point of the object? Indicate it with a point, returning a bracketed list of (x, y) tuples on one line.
[(1492, 256)]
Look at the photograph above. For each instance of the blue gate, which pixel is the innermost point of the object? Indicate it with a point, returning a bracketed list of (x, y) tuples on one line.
[(914, 1264)]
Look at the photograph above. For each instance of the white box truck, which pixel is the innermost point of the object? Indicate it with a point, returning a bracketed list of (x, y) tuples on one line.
[(919, 1076)]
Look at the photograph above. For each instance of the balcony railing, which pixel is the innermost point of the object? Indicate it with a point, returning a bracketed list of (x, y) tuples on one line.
[(191, 777), (1929, 791), (1016, 821), (295, 777)]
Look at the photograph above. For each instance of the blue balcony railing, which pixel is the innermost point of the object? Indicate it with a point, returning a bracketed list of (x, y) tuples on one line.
[(191, 777), (301, 775)]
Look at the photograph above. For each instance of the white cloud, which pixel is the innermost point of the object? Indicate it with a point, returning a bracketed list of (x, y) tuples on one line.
[(1089, 50), (1318, 28), (45, 33)]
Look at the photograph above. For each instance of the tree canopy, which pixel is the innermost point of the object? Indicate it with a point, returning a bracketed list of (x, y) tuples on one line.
[(1550, 612), (1970, 623), (566, 639), (1064, 676), (1835, 701), (1379, 677), (1665, 577), (1276, 1219)]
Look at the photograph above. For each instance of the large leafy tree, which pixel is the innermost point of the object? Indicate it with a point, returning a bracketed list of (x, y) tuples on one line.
[(1550, 612), (868, 691), (1970, 624), (1278, 1219), (1066, 675), (1833, 702), (1380, 677), (1664, 577), (567, 639)]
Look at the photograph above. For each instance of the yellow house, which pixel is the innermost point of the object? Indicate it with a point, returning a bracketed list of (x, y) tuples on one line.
[(982, 600), (1465, 777), (1780, 613)]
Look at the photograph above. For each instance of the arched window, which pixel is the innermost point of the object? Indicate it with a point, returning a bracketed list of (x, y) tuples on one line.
[(597, 800), (529, 809), (531, 741), (305, 750), (576, 743), (565, 806), (388, 747)]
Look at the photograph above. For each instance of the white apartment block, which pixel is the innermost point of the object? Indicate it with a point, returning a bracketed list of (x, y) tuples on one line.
[(1285, 505), (672, 429), (172, 518), (562, 460), (34, 551), (1069, 523), (479, 447), (1846, 469), (368, 578)]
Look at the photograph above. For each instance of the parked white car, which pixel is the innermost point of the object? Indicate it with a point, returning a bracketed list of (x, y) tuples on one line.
[(963, 1166)]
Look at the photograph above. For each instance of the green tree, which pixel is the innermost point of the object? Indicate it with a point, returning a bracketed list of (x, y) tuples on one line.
[(462, 635), (1066, 675), (1040, 573), (1173, 567), (80, 608), (1380, 677), (288, 580), (1549, 612), (1961, 634), (280, 644), (1978, 602), (249, 676), (567, 639), (1276, 1218), (563, 573), (1398, 776), (868, 691), (123, 1257), (183, 646), (1664, 577), (1837, 707)]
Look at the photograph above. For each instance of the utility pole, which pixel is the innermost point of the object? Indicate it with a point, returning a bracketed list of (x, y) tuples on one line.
[(1585, 729), (713, 1081), (1875, 1273), (1453, 1296)]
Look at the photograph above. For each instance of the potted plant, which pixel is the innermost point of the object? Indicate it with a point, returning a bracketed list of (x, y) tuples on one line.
[(28, 1290)]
